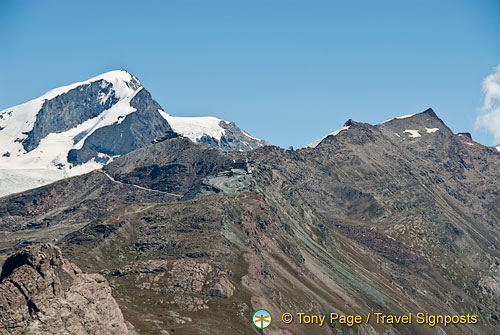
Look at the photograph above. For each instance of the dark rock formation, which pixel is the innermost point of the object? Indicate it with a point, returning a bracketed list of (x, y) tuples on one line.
[(42, 293), (136, 130), (67, 110)]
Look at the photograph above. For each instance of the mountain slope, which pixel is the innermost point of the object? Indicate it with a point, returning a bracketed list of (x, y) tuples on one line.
[(80, 127), (366, 221)]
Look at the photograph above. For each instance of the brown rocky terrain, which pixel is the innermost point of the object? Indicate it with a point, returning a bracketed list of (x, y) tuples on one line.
[(401, 217), (43, 293)]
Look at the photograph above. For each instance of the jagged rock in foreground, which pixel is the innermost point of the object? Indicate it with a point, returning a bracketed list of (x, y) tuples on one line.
[(43, 293)]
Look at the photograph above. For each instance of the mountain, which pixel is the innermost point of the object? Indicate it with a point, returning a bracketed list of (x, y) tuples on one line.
[(406, 133), (396, 218), (80, 127)]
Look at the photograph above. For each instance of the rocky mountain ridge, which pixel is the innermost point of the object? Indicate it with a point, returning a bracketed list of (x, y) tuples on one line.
[(400, 217)]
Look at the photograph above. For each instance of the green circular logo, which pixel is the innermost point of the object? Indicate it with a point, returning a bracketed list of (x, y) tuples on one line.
[(262, 319)]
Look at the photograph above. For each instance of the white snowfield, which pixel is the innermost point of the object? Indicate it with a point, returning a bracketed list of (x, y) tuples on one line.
[(195, 128), (498, 148), (21, 170), (400, 117)]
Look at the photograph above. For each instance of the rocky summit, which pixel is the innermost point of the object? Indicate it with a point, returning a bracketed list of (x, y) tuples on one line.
[(397, 218)]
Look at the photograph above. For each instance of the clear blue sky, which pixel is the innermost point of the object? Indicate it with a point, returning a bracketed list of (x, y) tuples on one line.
[(286, 71)]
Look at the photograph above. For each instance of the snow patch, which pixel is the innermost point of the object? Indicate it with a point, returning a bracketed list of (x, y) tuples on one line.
[(103, 97), (400, 117), (412, 133), (335, 133), (397, 135), (431, 130), (404, 116), (498, 148), (248, 135)]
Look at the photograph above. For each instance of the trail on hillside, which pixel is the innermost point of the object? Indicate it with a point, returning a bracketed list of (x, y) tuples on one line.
[(137, 186)]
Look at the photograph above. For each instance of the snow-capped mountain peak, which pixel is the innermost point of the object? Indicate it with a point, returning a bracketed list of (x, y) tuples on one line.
[(19, 122), (80, 127), (124, 84)]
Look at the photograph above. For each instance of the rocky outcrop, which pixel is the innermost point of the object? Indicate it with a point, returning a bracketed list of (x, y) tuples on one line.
[(43, 293)]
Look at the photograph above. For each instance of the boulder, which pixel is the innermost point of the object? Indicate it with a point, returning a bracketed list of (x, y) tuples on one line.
[(43, 293)]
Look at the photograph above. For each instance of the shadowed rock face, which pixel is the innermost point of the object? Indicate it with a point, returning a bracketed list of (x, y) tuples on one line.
[(136, 131), (43, 293), (70, 109)]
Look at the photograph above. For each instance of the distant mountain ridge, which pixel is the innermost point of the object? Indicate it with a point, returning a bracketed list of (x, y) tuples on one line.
[(404, 128), (77, 128)]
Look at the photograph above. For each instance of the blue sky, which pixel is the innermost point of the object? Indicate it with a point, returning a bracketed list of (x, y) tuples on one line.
[(286, 71)]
